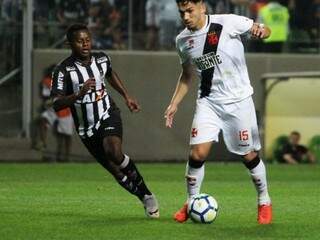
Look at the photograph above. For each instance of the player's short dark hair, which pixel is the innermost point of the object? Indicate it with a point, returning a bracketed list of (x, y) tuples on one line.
[(295, 133), (75, 28), (186, 1)]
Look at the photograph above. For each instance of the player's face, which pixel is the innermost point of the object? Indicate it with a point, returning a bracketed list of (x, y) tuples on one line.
[(192, 14), (81, 44), (294, 139)]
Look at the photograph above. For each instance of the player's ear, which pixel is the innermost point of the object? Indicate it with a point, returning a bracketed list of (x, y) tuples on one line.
[(67, 43), (203, 8)]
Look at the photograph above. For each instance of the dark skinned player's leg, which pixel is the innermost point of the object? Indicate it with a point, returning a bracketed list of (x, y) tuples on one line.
[(113, 150), (121, 178), (95, 147)]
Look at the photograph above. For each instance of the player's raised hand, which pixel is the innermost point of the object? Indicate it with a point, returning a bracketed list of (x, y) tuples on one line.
[(169, 114), (133, 105)]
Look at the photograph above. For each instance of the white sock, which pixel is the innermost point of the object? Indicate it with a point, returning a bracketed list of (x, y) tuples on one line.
[(259, 178), (194, 178)]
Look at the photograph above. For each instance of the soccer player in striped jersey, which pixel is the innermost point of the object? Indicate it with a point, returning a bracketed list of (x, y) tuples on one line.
[(79, 83), (211, 45)]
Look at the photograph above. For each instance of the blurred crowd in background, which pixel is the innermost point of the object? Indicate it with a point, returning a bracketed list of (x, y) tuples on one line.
[(154, 24)]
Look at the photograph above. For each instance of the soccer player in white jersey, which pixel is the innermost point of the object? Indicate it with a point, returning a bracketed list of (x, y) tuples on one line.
[(211, 46)]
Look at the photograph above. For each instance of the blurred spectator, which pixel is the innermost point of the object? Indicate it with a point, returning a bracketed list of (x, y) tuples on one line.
[(294, 153), (116, 29), (220, 6), (44, 15), (275, 16), (61, 122), (71, 11), (105, 22), (300, 12), (315, 21), (122, 8), (152, 23), (44, 10), (301, 24), (241, 7), (64, 133), (255, 8), (169, 23), (98, 10), (11, 14)]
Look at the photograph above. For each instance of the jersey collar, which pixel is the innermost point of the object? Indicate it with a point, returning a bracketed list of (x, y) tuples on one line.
[(79, 62)]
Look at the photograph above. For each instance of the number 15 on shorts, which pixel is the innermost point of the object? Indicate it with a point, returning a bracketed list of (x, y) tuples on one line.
[(243, 135)]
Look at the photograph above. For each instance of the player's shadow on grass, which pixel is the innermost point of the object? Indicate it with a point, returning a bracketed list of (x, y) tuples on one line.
[(82, 218), (123, 219)]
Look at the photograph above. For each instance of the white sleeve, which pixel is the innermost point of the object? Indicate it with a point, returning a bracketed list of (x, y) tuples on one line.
[(238, 25), (183, 56)]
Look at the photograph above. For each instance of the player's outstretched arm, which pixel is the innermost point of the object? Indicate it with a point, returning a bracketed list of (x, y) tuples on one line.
[(259, 30), (61, 102), (181, 90), (118, 85)]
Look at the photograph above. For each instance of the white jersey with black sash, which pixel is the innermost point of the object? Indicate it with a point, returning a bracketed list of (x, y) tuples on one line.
[(217, 53), (68, 78)]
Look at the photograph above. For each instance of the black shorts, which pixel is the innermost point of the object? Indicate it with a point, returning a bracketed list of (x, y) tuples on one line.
[(112, 126)]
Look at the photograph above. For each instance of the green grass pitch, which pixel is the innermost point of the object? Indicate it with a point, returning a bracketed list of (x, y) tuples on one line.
[(81, 201)]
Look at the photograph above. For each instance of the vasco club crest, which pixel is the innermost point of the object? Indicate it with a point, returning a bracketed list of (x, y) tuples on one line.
[(213, 38)]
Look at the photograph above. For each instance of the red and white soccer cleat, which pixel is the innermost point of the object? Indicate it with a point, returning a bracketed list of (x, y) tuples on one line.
[(182, 214), (265, 214)]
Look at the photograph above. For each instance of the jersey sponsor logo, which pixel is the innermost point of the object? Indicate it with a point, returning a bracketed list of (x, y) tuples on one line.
[(207, 61), (69, 69), (99, 94), (102, 59), (92, 97), (60, 81), (194, 132)]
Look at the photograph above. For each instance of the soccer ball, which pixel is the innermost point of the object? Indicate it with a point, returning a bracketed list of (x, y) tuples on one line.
[(203, 208)]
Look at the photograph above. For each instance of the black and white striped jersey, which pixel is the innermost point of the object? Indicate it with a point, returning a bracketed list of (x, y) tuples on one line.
[(68, 78), (217, 53)]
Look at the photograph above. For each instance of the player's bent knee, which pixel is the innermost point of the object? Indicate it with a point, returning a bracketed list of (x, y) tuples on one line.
[(250, 156), (251, 160), (194, 164), (114, 156), (198, 155), (113, 152)]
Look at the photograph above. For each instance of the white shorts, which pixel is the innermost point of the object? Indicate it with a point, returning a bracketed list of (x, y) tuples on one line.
[(236, 120), (50, 115), (65, 125)]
